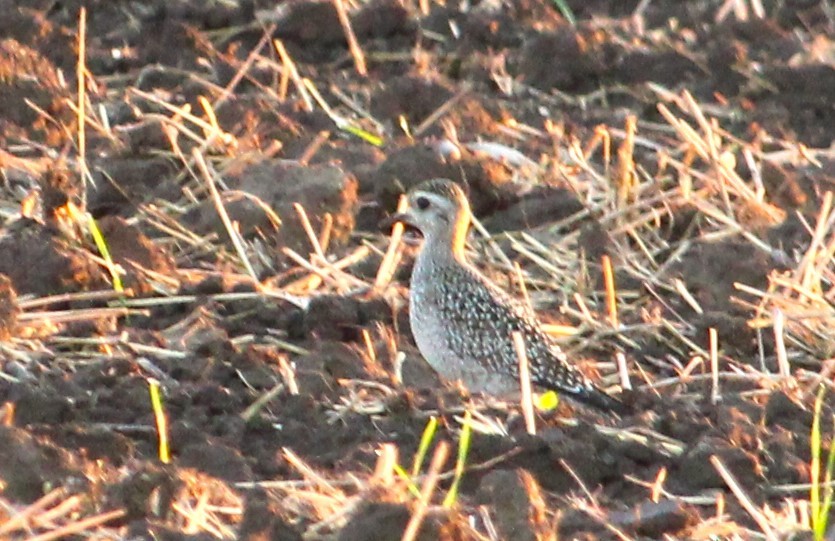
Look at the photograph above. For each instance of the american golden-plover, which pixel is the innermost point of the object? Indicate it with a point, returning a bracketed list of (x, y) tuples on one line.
[(463, 323)]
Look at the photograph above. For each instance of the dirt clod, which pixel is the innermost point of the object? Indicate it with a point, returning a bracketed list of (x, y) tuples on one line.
[(517, 499), (62, 267)]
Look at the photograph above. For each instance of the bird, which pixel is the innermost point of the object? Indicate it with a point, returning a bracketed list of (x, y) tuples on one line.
[(463, 323)]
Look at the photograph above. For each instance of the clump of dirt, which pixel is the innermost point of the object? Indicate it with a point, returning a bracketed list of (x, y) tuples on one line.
[(578, 61), (61, 266), (30, 93), (29, 465), (265, 199), (381, 520), (121, 185), (136, 253), (489, 183), (540, 206), (518, 499)]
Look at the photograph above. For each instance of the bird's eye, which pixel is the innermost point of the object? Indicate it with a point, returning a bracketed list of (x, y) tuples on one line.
[(422, 203)]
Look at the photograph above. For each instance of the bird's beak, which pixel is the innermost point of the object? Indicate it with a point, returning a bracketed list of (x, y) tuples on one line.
[(404, 218)]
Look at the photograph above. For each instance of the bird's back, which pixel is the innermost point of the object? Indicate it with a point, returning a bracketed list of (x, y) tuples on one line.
[(463, 325)]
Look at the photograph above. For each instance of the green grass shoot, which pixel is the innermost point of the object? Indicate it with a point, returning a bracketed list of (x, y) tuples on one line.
[(101, 244), (820, 509), (366, 136), (461, 461), (162, 422), (423, 448), (403, 474), (84, 217), (566, 12), (425, 442)]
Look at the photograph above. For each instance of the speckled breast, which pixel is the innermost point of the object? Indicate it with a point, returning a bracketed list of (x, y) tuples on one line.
[(435, 333)]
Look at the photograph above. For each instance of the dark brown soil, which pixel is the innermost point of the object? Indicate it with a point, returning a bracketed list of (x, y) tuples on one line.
[(282, 392)]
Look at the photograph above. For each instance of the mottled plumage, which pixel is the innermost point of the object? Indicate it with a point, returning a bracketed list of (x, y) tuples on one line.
[(463, 323)]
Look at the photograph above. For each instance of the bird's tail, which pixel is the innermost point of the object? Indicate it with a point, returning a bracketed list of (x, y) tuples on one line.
[(588, 393), (558, 375), (599, 399)]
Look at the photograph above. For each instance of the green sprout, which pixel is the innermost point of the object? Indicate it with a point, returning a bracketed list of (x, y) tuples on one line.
[(403, 474), (566, 12), (366, 136), (162, 422), (101, 244), (425, 442), (820, 508), (461, 461), (85, 218)]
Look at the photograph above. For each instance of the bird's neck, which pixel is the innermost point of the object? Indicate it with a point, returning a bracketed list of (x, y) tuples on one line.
[(449, 242)]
